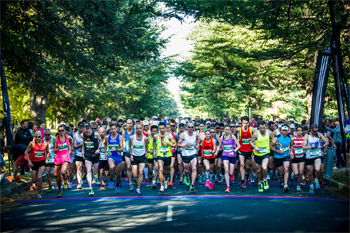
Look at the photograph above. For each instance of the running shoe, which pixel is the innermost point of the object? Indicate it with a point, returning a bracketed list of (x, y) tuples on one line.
[(207, 183), (311, 190), (126, 178), (317, 184), (70, 185), (110, 185), (266, 185), (187, 181), (161, 189), (91, 193), (166, 184), (59, 194), (243, 186), (94, 180), (298, 189), (252, 180), (146, 180), (171, 184), (261, 188), (227, 190), (103, 187), (65, 186), (134, 181), (211, 185), (117, 189), (131, 188), (154, 185), (79, 186), (39, 197), (285, 189), (181, 180), (50, 189), (192, 189), (247, 181), (138, 192), (232, 177)]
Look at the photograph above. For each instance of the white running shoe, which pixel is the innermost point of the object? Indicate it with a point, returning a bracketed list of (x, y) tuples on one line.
[(161, 189), (166, 184)]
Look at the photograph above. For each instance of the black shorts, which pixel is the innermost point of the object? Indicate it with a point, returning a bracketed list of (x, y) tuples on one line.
[(126, 154), (79, 159), (174, 154), (93, 160), (50, 165), (323, 159), (259, 159), (211, 160), (247, 155), (298, 160), (219, 154), (138, 160), (279, 162), (310, 162), (166, 161), (151, 161), (103, 164), (37, 165), (188, 159)]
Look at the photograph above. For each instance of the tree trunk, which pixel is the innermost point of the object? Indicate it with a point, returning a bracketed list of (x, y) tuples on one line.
[(38, 107)]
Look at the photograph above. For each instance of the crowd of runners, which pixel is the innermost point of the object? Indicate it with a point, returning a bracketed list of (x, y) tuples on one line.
[(161, 152)]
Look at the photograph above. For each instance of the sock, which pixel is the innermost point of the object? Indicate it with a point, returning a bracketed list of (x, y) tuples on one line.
[(207, 175)]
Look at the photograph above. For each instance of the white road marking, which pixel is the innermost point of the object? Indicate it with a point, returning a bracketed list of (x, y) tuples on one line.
[(170, 214)]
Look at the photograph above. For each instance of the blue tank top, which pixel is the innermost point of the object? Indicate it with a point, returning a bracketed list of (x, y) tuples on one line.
[(113, 143), (127, 137), (178, 138), (285, 142)]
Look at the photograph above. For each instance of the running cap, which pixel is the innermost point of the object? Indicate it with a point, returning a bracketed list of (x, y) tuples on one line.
[(155, 123), (253, 124), (284, 127), (145, 122), (292, 126), (207, 123), (183, 122), (81, 124)]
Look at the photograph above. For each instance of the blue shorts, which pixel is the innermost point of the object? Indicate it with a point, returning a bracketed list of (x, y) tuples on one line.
[(230, 159), (117, 160)]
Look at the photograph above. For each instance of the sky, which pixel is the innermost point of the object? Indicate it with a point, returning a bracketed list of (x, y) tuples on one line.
[(180, 46)]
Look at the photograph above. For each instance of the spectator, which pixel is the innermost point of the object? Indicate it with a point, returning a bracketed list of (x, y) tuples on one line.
[(338, 142), (16, 151), (23, 135)]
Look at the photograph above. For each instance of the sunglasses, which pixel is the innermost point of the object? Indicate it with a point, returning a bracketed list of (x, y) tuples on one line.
[(190, 127), (173, 125), (37, 136), (212, 132), (94, 128), (62, 130), (47, 134), (233, 126)]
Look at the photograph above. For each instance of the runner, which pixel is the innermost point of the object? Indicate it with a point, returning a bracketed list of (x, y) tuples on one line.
[(179, 152), (218, 160), (272, 166), (91, 151), (114, 149), (71, 166), (152, 158), (245, 152), (78, 149), (312, 145), (282, 155), (298, 158), (138, 147), (188, 142), (208, 153), (163, 143), (261, 142), (200, 151), (103, 163), (173, 152), (39, 155), (62, 145), (230, 147), (127, 133), (51, 164)]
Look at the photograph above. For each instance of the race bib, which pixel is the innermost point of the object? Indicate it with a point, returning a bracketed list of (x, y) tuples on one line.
[(228, 148), (207, 153), (102, 153), (284, 148), (63, 147), (189, 148), (39, 154), (298, 151), (314, 152), (89, 145), (245, 141), (164, 149), (137, 147), (262, 150), (116, 147)]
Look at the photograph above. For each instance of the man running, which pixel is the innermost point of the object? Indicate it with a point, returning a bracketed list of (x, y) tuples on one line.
[(261, 142), (91, 151), (127, 133), (188, 142), (173, 152), (312, 146), (298, 157), (78, 151), (103, 163), (138, 147), (179, 152), (152, 158), (51, 164)]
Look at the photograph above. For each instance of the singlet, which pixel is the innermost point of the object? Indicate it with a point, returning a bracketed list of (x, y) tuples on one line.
[(79, 140), (244, 140), (285, 142), (52, 153), (163, 151), (191, 150), (90, 145), (263, 143), (173, 150), (298, 151), (314, 152), (127, 136), (178, 138), (138, 147), (113, 143), (63, 154), (38, 152), (102, 151), (206, 147), (229, 146), (150, 148)]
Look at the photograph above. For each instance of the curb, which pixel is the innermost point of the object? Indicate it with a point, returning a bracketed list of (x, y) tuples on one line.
[(14, 189), (337, 184)]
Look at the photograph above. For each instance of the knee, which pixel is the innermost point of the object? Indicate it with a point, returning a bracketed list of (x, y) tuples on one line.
[(194, 169), (111, 167)]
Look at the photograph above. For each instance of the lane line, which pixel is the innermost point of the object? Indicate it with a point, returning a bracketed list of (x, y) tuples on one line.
[(192, 197), (169, 214)]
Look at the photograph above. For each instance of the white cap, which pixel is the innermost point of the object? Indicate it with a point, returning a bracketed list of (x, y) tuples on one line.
[(208, 122), (145, 122), (292, 126), (183, 122), (155, 123), (284, 127)]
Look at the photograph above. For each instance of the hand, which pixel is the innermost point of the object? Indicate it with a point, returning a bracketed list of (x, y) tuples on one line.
[(312, 146), (188, 145), (164, 143), (319, 147), (132, 158), (334, 146), (71, 153), (210, 151), (278, 144), (46, 161), (256, 149), (30, 164), (196, 147), (97, 151), (280, 151), (231, 154), (59, 146), (113, 149)]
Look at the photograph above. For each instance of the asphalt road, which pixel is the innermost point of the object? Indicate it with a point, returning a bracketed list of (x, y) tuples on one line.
[(178, 210)]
